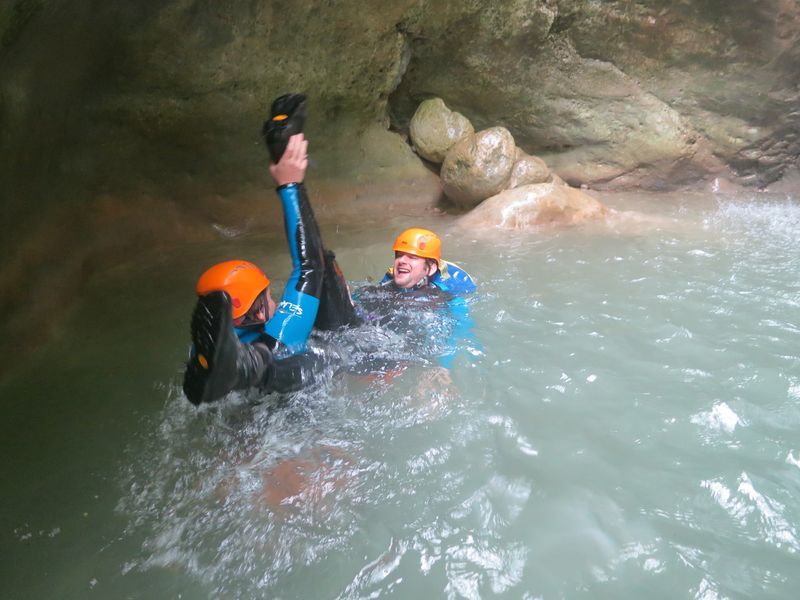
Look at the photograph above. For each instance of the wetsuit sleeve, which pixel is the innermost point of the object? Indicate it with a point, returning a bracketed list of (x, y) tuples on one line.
[(295, 314)]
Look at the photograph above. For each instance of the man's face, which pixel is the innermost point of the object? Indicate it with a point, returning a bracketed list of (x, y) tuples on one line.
[(270, 304), (261, 311), (409, 270)]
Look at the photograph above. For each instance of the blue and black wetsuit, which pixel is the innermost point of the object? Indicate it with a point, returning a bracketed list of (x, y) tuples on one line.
[(315, 295), (273, 356), (288, 330)]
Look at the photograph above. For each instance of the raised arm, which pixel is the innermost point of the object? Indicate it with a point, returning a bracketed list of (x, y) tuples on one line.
[(295, 314)]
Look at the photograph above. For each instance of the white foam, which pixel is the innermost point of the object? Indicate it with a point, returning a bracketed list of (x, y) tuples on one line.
[(720, 417), (707, 590)]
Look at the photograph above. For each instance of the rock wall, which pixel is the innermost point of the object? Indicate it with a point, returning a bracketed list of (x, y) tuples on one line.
[(170, 94), (652, 94)]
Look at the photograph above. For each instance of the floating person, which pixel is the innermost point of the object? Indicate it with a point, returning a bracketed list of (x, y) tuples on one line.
[(421, 282), (240, 338)]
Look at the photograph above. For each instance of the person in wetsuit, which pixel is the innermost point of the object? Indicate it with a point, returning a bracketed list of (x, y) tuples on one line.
[(420, 297), (240, 338)]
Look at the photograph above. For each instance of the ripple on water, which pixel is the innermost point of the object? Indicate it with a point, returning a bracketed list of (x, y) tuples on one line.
[(760, 517)]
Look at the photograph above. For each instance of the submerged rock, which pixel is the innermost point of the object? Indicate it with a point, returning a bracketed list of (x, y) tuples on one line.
[(479, 166), (535, 204), (434, 129)]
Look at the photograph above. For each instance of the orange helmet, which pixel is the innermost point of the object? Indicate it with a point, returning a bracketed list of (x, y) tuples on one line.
[(419, 242), (241, 279)]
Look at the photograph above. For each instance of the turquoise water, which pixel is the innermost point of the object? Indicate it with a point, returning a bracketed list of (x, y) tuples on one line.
[(629, 427)]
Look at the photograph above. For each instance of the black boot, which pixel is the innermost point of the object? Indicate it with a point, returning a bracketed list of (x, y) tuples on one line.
[(287, 117), (220, 363)]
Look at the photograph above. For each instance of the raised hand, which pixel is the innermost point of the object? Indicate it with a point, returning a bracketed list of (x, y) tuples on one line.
[(293, 164)]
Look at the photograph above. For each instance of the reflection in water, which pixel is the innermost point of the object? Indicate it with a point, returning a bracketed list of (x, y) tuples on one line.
[(630, 429)]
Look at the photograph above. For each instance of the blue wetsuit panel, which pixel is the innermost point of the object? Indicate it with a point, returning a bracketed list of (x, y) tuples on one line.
[(462, 330), (248, 335)]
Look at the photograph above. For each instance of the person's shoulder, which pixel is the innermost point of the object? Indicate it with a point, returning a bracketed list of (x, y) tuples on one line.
[(454, 279)]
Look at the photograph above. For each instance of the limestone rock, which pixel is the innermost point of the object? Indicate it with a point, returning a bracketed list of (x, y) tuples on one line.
[(384, 155), (434, 129), (533, 205), (479, 166), (527, 170)]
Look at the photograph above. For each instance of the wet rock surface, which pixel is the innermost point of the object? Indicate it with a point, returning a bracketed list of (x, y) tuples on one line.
[(434, 129), (527, 170), (534, 205), (614, 94), (478, 166), (621, 94)]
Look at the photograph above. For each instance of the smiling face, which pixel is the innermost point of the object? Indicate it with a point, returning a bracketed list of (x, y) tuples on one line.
[(409, 270)]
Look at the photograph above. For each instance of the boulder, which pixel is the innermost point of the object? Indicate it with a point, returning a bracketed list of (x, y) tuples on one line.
[(479, 166), (528, 170), (434, 129), (533, 205)]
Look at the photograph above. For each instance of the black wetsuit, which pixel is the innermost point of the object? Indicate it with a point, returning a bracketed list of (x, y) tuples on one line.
[(401, 327)]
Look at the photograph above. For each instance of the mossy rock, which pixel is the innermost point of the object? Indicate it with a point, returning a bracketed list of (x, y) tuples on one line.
[(479, 166), (434, 129)]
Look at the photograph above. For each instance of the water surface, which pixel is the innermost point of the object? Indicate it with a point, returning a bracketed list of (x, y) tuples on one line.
[(628, 427)]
